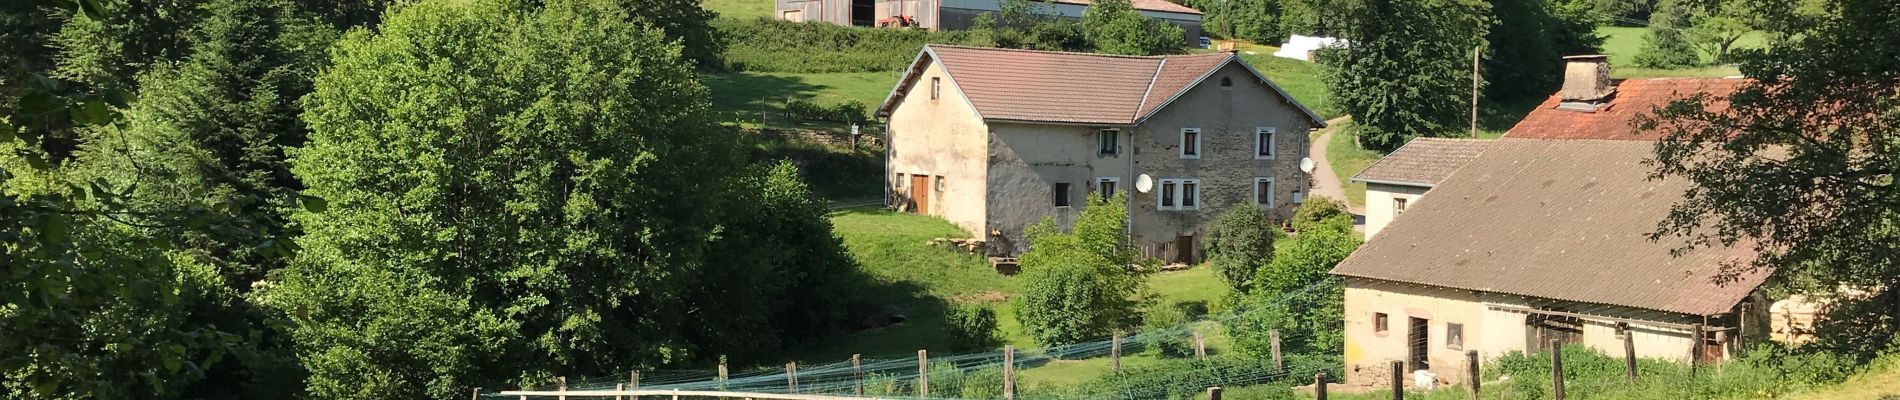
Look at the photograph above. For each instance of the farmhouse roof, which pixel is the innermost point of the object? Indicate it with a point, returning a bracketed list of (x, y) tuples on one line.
[(1555, 219), (1611, 120), (1424, 161), (1148, 5), (1065, 87)]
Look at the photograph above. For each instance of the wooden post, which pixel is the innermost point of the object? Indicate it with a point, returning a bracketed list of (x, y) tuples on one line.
[(1009, 372), (923, 374), (1398, 380), (1115, 352), (1472, 378), (562, 381), (1695, 349), (722, 374), (620, 387), (1200, 346), (857, 377), (1474, 90), (1213, 393), (1629, 353), (633, 380), (477, 395), (791, 377), (1319, 386), (1556, 370), (1278, 365)]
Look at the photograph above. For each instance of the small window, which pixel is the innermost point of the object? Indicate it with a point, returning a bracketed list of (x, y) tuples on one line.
[(900, 180), (1167, 194), (936, 87), (1398, 206), (1263, 191), (1111, 141), (1263, 142), (1062, 194), (1190, 142), (1105, 186), (939, 183), (1190, 190), (1226, 81), (1379, 323), (1455, 336)]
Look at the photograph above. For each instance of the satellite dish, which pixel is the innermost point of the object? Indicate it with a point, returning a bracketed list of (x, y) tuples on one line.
[(1306, 165), (1144, 183)]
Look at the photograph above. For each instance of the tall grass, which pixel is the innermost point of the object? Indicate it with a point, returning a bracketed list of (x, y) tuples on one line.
[(1589, 374)]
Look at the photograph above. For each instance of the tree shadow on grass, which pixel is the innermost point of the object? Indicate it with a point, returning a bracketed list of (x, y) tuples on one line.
[(741, 97)]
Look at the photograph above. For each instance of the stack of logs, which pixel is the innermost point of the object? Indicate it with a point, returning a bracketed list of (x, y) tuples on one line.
[(967, 245)]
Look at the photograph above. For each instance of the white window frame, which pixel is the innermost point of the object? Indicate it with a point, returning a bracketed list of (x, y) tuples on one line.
[(1111, 135), (1107, 179), (1197, 144), (936, 87), (1178, 189), (1271, 197), (1271, 143)]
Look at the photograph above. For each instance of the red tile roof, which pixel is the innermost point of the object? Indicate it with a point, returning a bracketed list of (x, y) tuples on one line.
[(1612, 121), (1065, 87), (1149, 5), (1555, 219)]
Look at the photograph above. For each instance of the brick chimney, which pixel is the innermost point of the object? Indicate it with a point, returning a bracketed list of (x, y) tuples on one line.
[(1587, 79)]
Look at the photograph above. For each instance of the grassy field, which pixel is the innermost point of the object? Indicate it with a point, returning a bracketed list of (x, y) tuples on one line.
[(1305, 81), (739, 8), (1622, 43), (1348, 159), (742, 97)]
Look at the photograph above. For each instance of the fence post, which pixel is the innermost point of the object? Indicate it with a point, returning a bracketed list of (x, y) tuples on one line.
[(1115, 352), (525, 388), (562, 381), (923, 373), (1695, 349), (1556, 370), (722, 373), (791, 377), (1213, 393), (477, 395), (1319, 386), (1274, 336), (1629, 353), (1472, 377), (857, 377), (1398, 380), (1200, 346), (633, 380), (1009, 372)]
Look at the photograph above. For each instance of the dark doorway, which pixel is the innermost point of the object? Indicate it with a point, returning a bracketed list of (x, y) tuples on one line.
[(1545, 327), (1184, 249), (863, 12), (1418, 339)]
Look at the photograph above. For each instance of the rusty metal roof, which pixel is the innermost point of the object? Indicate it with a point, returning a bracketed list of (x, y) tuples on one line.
[(1555, 219), (1148, 5), (1611, 120), (1424, 161), (1067, 87)]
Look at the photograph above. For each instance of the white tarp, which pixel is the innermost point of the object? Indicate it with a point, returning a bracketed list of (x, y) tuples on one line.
[(1302, 47)]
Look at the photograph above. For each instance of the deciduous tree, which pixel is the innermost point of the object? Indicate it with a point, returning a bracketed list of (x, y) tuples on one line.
[(1115, 27), (1081, 285), (1239, 243), (1406, 72)]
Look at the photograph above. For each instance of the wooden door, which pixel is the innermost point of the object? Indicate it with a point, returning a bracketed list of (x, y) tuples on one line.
[(1184, 249), (920, 193)]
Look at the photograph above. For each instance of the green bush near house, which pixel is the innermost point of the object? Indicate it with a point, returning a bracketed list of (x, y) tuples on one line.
[(764, 45), (1319, 213), (1239, 242), (1078, 286), (973, 327)]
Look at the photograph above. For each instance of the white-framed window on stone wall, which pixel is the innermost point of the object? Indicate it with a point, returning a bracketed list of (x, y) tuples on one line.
[(1263, 138), (1110, 139), (1190, 142), (1179, 194), (1105, 186), (1263, 191)]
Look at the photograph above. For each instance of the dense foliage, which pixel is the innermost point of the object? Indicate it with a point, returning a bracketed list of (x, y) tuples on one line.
[(1296, 294), (972, 328), (1526, 41), (1760, 372), (1115, 27), (1408, 70), (1321, 213), (1666, 45), (781, 46), (1239, 242), (1082, 285), (1798, 166)]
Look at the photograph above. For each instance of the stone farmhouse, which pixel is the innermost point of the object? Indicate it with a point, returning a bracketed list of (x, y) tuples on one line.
[(1401, 179), (994, 140), (960, 14), (1544, 236)]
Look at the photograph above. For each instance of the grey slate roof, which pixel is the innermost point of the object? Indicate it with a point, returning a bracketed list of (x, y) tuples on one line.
[(1423, 161), (1555, 219)]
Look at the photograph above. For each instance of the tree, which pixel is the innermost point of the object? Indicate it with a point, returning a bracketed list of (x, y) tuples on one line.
[(1573, 27), (1320, 213), (1239, 243), (1526, 40), (1115, 27), (1407, 72), (1797, 165), (513, 192), (1719, 24), (1296, 294), (1666, 45), (685, 21), (1081, 285)]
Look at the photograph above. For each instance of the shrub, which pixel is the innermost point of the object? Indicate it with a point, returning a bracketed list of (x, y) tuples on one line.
[(1296, 295), (851, 111), (766, 45), (1240, 241), (1078, 286), (1166, 329), (972, 328), (1319, 213)]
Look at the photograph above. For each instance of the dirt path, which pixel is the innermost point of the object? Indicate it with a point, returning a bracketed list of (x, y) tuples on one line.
[(1326, 182)]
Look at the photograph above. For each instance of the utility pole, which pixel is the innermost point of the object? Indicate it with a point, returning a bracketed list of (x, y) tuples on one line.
[(1474, 90)]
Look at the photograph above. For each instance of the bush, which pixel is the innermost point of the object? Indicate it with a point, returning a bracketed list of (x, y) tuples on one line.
[(1078, 286), (1296, 295), (1319, 213), (1166, 328), (851, 111), (972, 328), (1241, 241), (766, 45)]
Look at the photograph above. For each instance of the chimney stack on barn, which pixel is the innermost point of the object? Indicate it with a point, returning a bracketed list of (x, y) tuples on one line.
[(1587, 79)]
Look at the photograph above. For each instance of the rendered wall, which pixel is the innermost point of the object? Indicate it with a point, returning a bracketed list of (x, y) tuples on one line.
[(941, 137), (1379, 203)]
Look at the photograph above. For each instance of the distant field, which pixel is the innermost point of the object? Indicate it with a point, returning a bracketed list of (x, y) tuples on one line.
[(1622, 44), (1305, 81), (741, 97), (740, 8)]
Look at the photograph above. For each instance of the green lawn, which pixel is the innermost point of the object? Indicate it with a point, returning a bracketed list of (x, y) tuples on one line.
[(740, 8), (742, 97), (1305, 81), (1623, 43)]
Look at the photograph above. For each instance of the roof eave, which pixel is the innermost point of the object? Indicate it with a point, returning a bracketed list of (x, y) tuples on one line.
[(1356, 178)]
